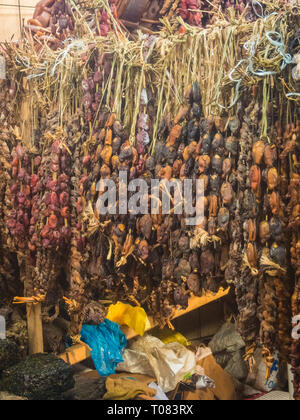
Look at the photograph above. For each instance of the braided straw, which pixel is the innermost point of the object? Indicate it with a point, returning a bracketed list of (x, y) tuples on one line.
[(269, 360), (249, 356), (246, 263), (270, 267), (33, 299)]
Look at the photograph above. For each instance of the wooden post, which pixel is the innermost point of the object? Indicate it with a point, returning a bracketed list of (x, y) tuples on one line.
[(34, 311), (35, 328)]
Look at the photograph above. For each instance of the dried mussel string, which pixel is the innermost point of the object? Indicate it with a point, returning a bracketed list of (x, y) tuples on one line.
[(50, 223), (78, 253), (289, 156), (246, 281), (275, 315), (9, 284), (193, 150), (93, 153), (7, 141), (175, 158), (271, 57)]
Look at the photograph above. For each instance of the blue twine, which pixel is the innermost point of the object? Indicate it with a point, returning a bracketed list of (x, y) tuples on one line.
[(237, 86), (276, 40), (63, 54), (33, 76), (256, 3), (289, 95), (250, 47), (59, 59)]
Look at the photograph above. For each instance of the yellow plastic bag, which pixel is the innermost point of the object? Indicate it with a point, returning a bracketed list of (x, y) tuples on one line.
[(124, 314), (168, 336)]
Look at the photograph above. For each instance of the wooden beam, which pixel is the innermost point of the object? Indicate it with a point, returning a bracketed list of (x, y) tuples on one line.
[(79, 352), (35, 328), (76, 354)]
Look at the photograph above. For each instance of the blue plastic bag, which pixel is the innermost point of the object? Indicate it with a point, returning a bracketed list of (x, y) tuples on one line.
[(107, 342)]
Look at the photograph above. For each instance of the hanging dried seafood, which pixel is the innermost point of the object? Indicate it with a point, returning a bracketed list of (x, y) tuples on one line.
[(7, 142), (53, 22), (9, 280), (247, 282), (50, 223), (289, 158), (99, 16), (23, 183), (275, 305), (82, 255)]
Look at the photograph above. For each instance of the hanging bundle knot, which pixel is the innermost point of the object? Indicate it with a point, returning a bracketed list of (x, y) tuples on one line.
[(271, 268), (33, 299), (249, 356), (246, 263), (269, 361)]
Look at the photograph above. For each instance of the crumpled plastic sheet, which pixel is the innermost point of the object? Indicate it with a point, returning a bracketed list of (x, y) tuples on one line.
[(107, 342), (168, 363)]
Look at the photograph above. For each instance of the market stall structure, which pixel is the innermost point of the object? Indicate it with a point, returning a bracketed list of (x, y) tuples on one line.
[(103, 90)]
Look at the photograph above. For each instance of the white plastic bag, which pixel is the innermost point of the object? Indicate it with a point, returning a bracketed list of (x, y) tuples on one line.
[(296, 70), (168, 363), (257, 379)]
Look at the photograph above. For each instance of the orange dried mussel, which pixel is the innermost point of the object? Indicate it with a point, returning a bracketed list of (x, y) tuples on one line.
[(115, 162), (252, 255), (189, 151), (264, 232), (227, 167), (106, 154), (258, 152), (105, 171), (270, 155), (205, 179), (111, 120), (252, 230), (165, 173), (204, 163), (213, 205), (99, 151), (174, 135), (176, 167), (108, 137), (65, 212), (274, 200), (182, 113), (220, 123), (227, 193), (255, 179), (102, 135), (273, 178)]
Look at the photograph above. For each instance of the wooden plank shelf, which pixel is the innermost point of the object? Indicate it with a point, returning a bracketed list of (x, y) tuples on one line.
[(79, 352)]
